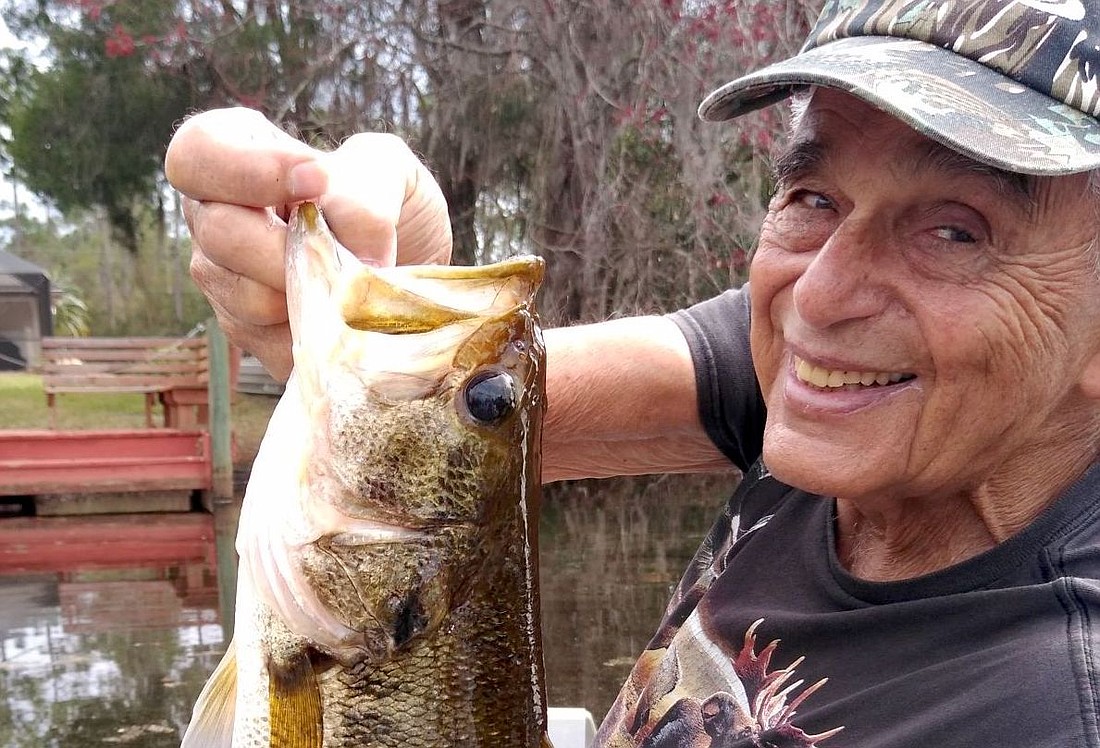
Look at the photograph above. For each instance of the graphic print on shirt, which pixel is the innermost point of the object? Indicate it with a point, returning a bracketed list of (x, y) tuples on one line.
[(749, 704), (696, 688)]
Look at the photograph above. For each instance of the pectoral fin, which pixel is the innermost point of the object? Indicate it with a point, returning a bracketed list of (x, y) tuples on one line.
[(294, 699), (212, 719)]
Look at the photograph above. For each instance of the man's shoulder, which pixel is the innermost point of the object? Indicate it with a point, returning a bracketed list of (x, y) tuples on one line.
[(1069, 529)]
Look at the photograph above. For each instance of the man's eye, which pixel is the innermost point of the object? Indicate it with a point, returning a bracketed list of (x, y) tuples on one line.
[(814, 200), (952, 234)]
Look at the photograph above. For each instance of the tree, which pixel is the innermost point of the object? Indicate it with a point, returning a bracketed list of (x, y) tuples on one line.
[(13, 77), (566, 128), (90, 130), (635, 203)]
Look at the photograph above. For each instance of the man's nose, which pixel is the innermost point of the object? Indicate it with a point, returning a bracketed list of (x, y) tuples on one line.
[(843, 280)]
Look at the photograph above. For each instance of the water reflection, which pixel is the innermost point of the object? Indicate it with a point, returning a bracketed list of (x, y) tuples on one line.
[(110, 626), (611, 553)]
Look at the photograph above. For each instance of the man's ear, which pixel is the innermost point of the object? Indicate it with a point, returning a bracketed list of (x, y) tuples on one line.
[(1090, 377)]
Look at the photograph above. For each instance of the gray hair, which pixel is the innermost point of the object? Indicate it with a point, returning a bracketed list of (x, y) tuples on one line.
[(800, 99)]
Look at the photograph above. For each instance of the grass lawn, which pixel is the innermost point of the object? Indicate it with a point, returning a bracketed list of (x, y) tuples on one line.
[(23, 406)]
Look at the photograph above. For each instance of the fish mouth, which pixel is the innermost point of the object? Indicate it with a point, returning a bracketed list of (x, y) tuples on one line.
[(398, 300), (341, 308), (402, 300), (824, 378)]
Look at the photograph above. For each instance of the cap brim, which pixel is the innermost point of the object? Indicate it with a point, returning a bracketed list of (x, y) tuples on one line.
[(949, 98)]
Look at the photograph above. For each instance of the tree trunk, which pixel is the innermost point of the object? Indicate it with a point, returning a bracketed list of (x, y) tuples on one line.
[(107, 275)]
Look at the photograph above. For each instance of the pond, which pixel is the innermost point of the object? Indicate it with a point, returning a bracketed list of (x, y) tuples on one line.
[(109, 626)]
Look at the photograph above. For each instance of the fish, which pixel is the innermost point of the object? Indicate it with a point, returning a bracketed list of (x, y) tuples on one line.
[(387, 589)]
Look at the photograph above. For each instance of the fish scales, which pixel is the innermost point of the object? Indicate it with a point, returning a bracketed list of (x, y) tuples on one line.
[(429, 693), (387, 588)]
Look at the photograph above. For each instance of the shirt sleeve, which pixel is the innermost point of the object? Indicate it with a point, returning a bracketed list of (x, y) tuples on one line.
[(730, 404)]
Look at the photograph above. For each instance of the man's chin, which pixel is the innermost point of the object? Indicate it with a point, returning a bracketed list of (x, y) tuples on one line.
[(815, 467)]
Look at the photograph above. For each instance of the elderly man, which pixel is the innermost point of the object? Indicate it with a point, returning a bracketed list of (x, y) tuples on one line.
[(913, 557)]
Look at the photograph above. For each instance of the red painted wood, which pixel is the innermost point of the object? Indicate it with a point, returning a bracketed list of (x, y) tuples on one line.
[(44, 444), (69, 544), (49, 462), (140, 343)]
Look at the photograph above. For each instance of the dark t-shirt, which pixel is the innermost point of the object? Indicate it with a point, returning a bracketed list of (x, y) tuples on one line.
[(768, 641), (731, 407)]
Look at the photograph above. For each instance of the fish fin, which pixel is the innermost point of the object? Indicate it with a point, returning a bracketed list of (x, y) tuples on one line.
[(212, 719), (294, 703)]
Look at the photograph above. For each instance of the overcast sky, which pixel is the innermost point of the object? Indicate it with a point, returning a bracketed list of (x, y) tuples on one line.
[(7, 39)]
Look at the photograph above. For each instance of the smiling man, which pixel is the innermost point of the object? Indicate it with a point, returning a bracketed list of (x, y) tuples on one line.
[(921, 530), (925, 336), (913, 555)]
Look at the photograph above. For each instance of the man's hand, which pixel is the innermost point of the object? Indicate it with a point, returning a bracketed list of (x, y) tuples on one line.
[(239, 174)]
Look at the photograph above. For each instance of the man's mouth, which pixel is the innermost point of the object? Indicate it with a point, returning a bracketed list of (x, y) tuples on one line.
[(818, 376)]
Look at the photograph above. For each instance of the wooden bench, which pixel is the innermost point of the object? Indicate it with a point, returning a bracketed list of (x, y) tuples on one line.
[(173, 371)]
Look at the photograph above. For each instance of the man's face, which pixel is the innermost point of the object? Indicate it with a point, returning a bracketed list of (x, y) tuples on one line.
[(921, 324)]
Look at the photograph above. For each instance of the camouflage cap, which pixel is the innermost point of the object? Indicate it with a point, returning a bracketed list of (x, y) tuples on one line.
[(1010, 83)]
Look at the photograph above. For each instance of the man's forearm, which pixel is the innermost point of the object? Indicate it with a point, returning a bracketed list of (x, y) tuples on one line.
[(621, 401)]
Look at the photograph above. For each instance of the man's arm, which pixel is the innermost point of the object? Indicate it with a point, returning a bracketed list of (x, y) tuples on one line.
[(621, 399)]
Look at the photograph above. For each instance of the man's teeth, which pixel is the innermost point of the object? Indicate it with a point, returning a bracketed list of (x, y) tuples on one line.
[(821, 377)]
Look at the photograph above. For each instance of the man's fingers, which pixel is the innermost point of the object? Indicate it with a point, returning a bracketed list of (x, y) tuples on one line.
[(269, 343), (272, 347), (253, 303), (238, 156), (425, 223), (246, 241), (367, 176), (372, 178), (372, 189)]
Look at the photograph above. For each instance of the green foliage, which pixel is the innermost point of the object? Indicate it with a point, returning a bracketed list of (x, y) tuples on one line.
[(147, 293), (91, 129), (14, 71), (70, 313)]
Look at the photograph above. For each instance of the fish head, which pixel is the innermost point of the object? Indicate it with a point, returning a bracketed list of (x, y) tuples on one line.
[(424, 383), (423, 394)]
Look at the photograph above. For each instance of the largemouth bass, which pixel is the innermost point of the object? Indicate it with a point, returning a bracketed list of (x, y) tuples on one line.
[(387, 590)]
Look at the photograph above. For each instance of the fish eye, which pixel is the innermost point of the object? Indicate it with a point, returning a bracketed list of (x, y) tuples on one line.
[(490, 396)]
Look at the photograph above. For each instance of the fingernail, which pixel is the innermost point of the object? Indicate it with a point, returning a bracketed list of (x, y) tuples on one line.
[(306, 180)]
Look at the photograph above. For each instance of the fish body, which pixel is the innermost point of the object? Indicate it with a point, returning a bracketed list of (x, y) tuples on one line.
[(387, 589)]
